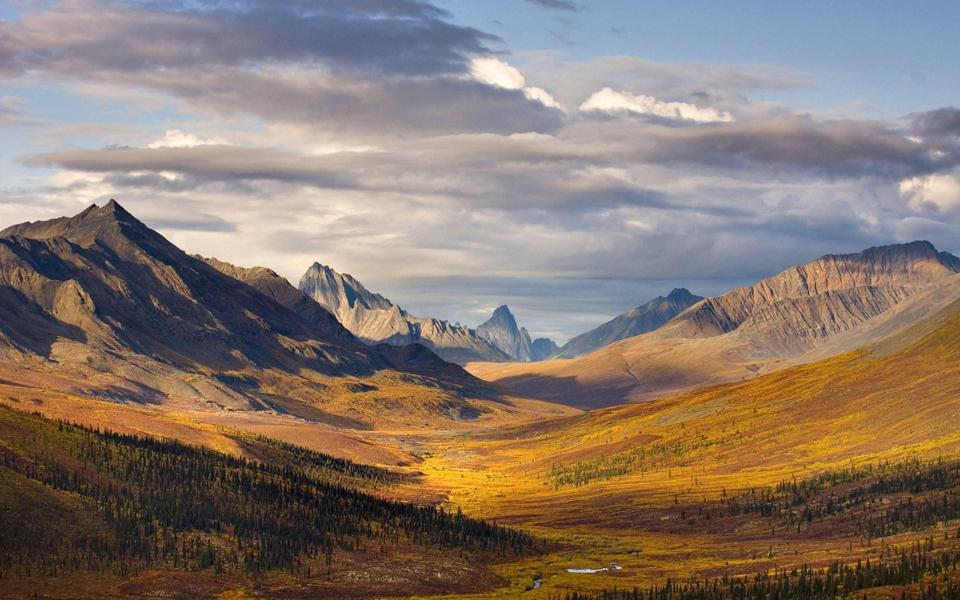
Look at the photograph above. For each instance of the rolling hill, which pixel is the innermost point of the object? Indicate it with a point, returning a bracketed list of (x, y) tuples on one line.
[(821, 465)]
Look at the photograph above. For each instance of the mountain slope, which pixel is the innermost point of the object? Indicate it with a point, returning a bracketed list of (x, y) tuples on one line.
[(640, 320), (543, 348), (375, 319), (167, 519), (811, 309), (105, 280), (823, 298), (895, 397)]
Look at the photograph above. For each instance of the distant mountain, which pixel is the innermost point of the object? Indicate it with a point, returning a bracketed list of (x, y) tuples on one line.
[(644, 318), (375, 319), (543, 348), (414, 357), (502, 331), (831, 305)]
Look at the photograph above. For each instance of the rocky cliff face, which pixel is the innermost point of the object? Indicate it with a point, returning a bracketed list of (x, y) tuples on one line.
[(646, 317), (820, 299), (502, 331), (375, 319)]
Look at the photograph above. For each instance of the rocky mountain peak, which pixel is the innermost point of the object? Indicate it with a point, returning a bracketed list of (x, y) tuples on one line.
[(335, 290), (502, 331), (110, 225), (502, 316)]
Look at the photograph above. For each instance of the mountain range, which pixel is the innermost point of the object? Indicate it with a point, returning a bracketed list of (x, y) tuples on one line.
[(375, 319), (133, 318), (777, 424), (832, 304)]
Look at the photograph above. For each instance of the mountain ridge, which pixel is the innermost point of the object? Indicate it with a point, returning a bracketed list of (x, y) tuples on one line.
[(642, 319), (375, 319), (804, 309)]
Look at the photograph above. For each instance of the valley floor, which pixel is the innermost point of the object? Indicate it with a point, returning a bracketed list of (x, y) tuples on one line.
[(851, 459)]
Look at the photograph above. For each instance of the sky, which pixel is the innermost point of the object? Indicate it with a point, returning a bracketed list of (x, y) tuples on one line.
[(569, 158)]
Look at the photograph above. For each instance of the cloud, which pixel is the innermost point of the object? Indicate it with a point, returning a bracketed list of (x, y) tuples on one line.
[(853, 148), (13, 113), (203, 163), (372, 66), (495, 72), (614, 102), (939, 192), (383, 138), (174, 138), (83, 36)]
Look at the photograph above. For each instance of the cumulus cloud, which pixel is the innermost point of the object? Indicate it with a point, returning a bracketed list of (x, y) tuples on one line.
[(613, 102), (495, 72), (940, 192)]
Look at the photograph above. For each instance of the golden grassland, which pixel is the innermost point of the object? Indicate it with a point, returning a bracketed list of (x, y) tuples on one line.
[(897, 400)]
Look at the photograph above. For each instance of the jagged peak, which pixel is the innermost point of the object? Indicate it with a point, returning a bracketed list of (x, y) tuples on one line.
[(326, 285), (110, 224), (503, 316), (112, 211)]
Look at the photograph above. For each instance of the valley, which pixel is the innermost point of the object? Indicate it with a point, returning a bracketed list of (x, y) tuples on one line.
[(827, 465)]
